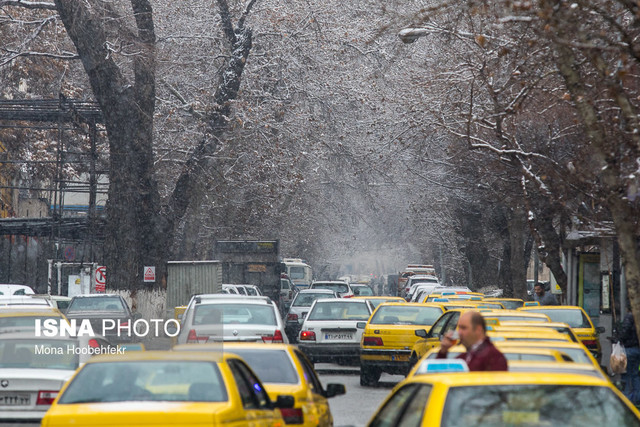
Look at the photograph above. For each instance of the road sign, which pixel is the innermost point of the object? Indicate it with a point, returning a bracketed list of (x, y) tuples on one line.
[(101, 278), (149, 274), (69, 253)]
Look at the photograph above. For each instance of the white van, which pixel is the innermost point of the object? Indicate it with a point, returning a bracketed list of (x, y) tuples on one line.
[(11, 289), (299, 272)]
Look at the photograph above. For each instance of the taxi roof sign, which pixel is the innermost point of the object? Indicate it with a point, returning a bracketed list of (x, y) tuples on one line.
[(441, 300), (448, 293), (439, 366), (531, 303)]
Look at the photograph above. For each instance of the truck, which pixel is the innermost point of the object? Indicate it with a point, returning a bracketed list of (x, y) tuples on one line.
[(299, 272), (255, 262)]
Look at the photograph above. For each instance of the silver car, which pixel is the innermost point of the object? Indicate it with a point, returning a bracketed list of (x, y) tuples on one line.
[(300, 307), (34, 369), (223, 318)]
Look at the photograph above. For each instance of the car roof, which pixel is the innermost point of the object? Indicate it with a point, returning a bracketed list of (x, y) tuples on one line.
[(29, 310), (508, 378), (334, 282), (315, 291), (509, 313), (565, 344), (347, 300), (398, 299), (95, 295), (230, 298), (502, 299), (156, 355), (508, 349), (550, 307)]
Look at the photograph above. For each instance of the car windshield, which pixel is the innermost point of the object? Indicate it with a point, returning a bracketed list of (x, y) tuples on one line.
[(535, 405), (306, 299), (226, 314), (338, 310), (405, 315), (263, 362), (38, 354), (296, 273), (337, 287), (175, 381), (573, 317), (96, 304)]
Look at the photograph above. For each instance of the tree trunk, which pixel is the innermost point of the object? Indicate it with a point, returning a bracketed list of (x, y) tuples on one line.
[(517, 237)]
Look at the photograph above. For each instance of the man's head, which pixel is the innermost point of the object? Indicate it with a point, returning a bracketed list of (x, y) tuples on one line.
[(471, 328), (539, 289)]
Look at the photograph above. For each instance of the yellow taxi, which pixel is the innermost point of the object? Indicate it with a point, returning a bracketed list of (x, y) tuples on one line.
[(513, 316), (389, 336), (576, 351), (511, 353), (15, 319), (563, 328), (528, 335), (453, 305), (577, 319), (504, 399), (508, 303), (294, 376), (163, 388), (430, 338), (377, 300), (562, 367)]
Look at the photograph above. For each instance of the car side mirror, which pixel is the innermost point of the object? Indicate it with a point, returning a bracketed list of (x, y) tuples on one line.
[(137, 316), (422, 333), (600, 329), (284, 401), (361, 325), (172, 328), (335, 390)]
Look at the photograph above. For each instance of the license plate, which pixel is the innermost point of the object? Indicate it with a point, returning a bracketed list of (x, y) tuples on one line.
[(400, 358), (15, 400), (338, 336)]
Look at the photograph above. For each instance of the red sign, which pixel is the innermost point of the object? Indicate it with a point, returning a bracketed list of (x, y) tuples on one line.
[(150, 274), (101, 278)]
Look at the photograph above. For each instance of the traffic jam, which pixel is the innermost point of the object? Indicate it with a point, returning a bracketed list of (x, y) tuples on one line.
[(432, 355)]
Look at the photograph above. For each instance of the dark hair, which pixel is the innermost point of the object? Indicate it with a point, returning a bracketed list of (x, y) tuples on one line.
[(539, 284), (478, 320)]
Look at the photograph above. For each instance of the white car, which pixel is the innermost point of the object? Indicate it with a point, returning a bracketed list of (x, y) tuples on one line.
[(421, 291), (421, 279), (34, 369), (341, 288), (11, 289), (332, 330), (223, 318), (23, 301)]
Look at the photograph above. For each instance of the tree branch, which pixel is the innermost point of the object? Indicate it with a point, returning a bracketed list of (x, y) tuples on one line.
[(246, 12), (227, 25), (28, 4)]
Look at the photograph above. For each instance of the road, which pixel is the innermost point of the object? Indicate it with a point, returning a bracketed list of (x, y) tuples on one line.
[(357, 406)]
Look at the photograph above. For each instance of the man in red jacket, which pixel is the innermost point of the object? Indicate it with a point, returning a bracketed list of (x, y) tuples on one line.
[(481, 354)]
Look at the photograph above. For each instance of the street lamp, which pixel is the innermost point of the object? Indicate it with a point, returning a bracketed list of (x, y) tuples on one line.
[(410, 35)]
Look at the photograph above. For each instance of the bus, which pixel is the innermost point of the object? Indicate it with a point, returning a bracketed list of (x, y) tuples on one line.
[(299, 272)]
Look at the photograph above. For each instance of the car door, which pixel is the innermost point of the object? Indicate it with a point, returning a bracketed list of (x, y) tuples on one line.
[(255, 401), (405, 408), (318, 404), (432, 340)]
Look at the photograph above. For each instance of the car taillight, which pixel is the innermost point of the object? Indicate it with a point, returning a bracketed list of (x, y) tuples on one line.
[(372, 341), (125, 323), (348, 296), (276, 338), (93, 343), (292, 415), (46, 397), (590, 343), (194, 338), (292, 317), (307, 336)]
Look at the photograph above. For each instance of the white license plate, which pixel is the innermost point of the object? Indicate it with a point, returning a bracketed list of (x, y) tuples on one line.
[(15, 400), (338, 336)]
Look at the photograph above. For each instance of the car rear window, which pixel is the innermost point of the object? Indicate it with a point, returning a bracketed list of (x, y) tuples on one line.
[(535, 405), (38, 353), (529, 357), (405, 315), (512, 305), (175, 381), (338, 310), (23, 321), (272, 366), (338, 287), (572, 317), (515, 318), (96, 304), (306, 299), (227, 314), (363, 291)]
